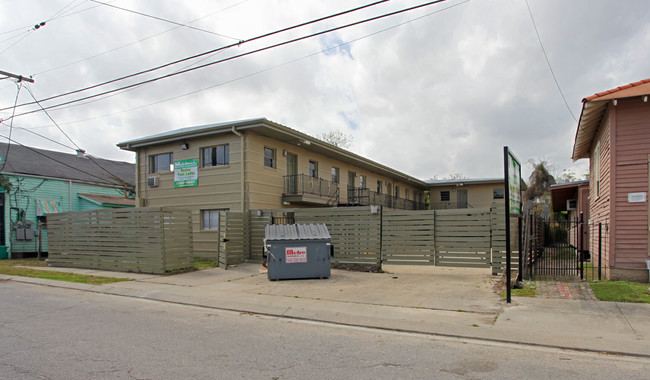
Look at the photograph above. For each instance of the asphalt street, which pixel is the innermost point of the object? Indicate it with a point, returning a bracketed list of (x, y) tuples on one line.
[(57, 333)]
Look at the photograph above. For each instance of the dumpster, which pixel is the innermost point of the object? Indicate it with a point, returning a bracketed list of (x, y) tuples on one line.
[(295, 251)]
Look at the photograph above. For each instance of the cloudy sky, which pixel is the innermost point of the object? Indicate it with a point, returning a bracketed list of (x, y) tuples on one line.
[(433, 91)]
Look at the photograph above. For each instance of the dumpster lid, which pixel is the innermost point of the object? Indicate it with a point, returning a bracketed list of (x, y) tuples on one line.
[(296, 231)]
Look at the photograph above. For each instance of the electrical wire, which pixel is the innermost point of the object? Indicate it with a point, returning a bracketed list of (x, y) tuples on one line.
[(55, 160), (138, 41), (549, 63), (73, 143), (234, 57), (202, 54), (264, 70), (20, 85), (43, 136), (165, 20)]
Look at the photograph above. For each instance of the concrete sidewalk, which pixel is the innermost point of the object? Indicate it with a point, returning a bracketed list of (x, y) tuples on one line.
[(441, 301)]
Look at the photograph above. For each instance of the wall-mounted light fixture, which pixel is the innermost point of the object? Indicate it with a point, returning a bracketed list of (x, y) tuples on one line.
[(284, 152), (259, 212), (185, 146)]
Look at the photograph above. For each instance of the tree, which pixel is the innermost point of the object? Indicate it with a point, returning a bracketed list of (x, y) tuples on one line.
[(337, 138), (540, 181), (456, 175)]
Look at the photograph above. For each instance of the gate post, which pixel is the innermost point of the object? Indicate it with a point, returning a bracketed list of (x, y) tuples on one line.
[(600, 239), (581, 250)]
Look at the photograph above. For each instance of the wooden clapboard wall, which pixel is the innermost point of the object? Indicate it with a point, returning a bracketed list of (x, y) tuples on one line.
[(146, 240)]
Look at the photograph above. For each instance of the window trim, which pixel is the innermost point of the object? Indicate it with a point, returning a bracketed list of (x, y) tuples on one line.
[(216, 165), (273, 159), (495, 195), (446, 192), (315, 171), (170, 169), (336, 175)]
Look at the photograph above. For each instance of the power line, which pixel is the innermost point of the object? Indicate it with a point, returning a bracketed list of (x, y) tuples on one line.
[(165, 20), (53, 159), (201, 54), (138, 41), (43, 136), (549, 63), (236, 56), (20, 85), (73, 143), (268, 68)]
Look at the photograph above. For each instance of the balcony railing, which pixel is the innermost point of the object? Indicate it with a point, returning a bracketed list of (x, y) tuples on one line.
[(366, 197), (319, 188)]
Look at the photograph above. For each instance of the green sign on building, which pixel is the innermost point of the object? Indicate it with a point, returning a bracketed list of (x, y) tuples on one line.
[(186, 173)]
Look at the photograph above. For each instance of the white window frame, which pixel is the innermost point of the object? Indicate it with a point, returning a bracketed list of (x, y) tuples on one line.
[(212, 219)]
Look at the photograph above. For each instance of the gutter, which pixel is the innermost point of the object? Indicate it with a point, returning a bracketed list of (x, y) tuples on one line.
[(243, 166)]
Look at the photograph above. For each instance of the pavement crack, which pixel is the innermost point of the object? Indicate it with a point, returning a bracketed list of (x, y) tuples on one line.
[(638, 337)]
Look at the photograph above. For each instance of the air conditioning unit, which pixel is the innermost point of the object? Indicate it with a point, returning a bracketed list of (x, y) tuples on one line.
[(571, 204), (152, 182)]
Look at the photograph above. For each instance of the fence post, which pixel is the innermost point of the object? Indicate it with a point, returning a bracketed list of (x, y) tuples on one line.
[(531, 232), (520, 275), (600, 239), (581, 250)]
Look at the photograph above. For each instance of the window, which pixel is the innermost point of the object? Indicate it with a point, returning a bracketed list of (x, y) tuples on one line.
[(210, 219), (444, 196), (269, 157), (498, 194), (161, 163), (406, 194), (215, 156), (335, 175), (396, 191), (313, 169), (362, 182), (378, 187)]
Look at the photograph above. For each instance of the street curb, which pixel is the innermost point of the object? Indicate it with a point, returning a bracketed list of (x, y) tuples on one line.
[(91, 289)]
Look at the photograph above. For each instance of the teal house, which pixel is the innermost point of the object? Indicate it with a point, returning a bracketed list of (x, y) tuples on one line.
[(35, 183)]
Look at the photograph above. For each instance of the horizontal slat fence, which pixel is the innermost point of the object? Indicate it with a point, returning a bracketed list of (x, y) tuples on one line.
[(355, 232), (498, 227), (462, 238), (234, 242), (145, 240), (408, 237)]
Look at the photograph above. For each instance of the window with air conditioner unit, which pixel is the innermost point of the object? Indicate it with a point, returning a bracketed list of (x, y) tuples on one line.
[(152, 182), (571, 204)]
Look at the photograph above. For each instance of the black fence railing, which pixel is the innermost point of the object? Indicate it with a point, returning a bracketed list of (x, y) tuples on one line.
[(301, 184), (366, 197), (566, 248)]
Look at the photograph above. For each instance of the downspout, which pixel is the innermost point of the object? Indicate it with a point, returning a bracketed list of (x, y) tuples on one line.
[(70, 196), (243, 167)]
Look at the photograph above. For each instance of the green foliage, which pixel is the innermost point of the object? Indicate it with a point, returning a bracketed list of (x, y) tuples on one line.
[(203, 263), (621, 291), (540, 181)]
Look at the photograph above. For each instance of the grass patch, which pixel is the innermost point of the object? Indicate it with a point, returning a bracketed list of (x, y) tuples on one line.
[(621, 291), (203, 263), (528, 289), (14, 268)]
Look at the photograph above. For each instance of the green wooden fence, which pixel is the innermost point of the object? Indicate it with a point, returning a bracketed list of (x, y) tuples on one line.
[(408, 237), (368, 236), (146, 240)]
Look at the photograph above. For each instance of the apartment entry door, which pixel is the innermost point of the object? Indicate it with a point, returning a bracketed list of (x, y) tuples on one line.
[(292, 173), (462, 198)]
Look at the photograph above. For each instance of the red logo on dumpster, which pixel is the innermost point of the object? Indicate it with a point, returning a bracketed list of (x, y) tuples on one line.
[(295, 255)]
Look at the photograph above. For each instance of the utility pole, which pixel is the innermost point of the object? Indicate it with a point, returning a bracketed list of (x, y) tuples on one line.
[(16, 76)]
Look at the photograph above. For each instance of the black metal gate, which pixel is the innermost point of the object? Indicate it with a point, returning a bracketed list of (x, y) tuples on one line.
[(563, 248)]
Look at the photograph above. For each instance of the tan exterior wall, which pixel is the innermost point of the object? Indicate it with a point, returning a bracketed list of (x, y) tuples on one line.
[(265, 185), (478, 196), (219, 187)]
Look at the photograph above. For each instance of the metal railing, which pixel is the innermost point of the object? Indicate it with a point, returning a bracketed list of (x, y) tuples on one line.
[(301, 184), (366, 197)]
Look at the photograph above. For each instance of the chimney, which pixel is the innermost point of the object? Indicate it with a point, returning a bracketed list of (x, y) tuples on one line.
[(81, 153)]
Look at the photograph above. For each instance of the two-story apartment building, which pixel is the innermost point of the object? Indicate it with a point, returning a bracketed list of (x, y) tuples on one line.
[(465, 193), (258, 164)]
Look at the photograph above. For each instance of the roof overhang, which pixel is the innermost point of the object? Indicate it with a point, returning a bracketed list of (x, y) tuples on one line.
[(464, 182), (562, 192), (267, 128), (594, 109)]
